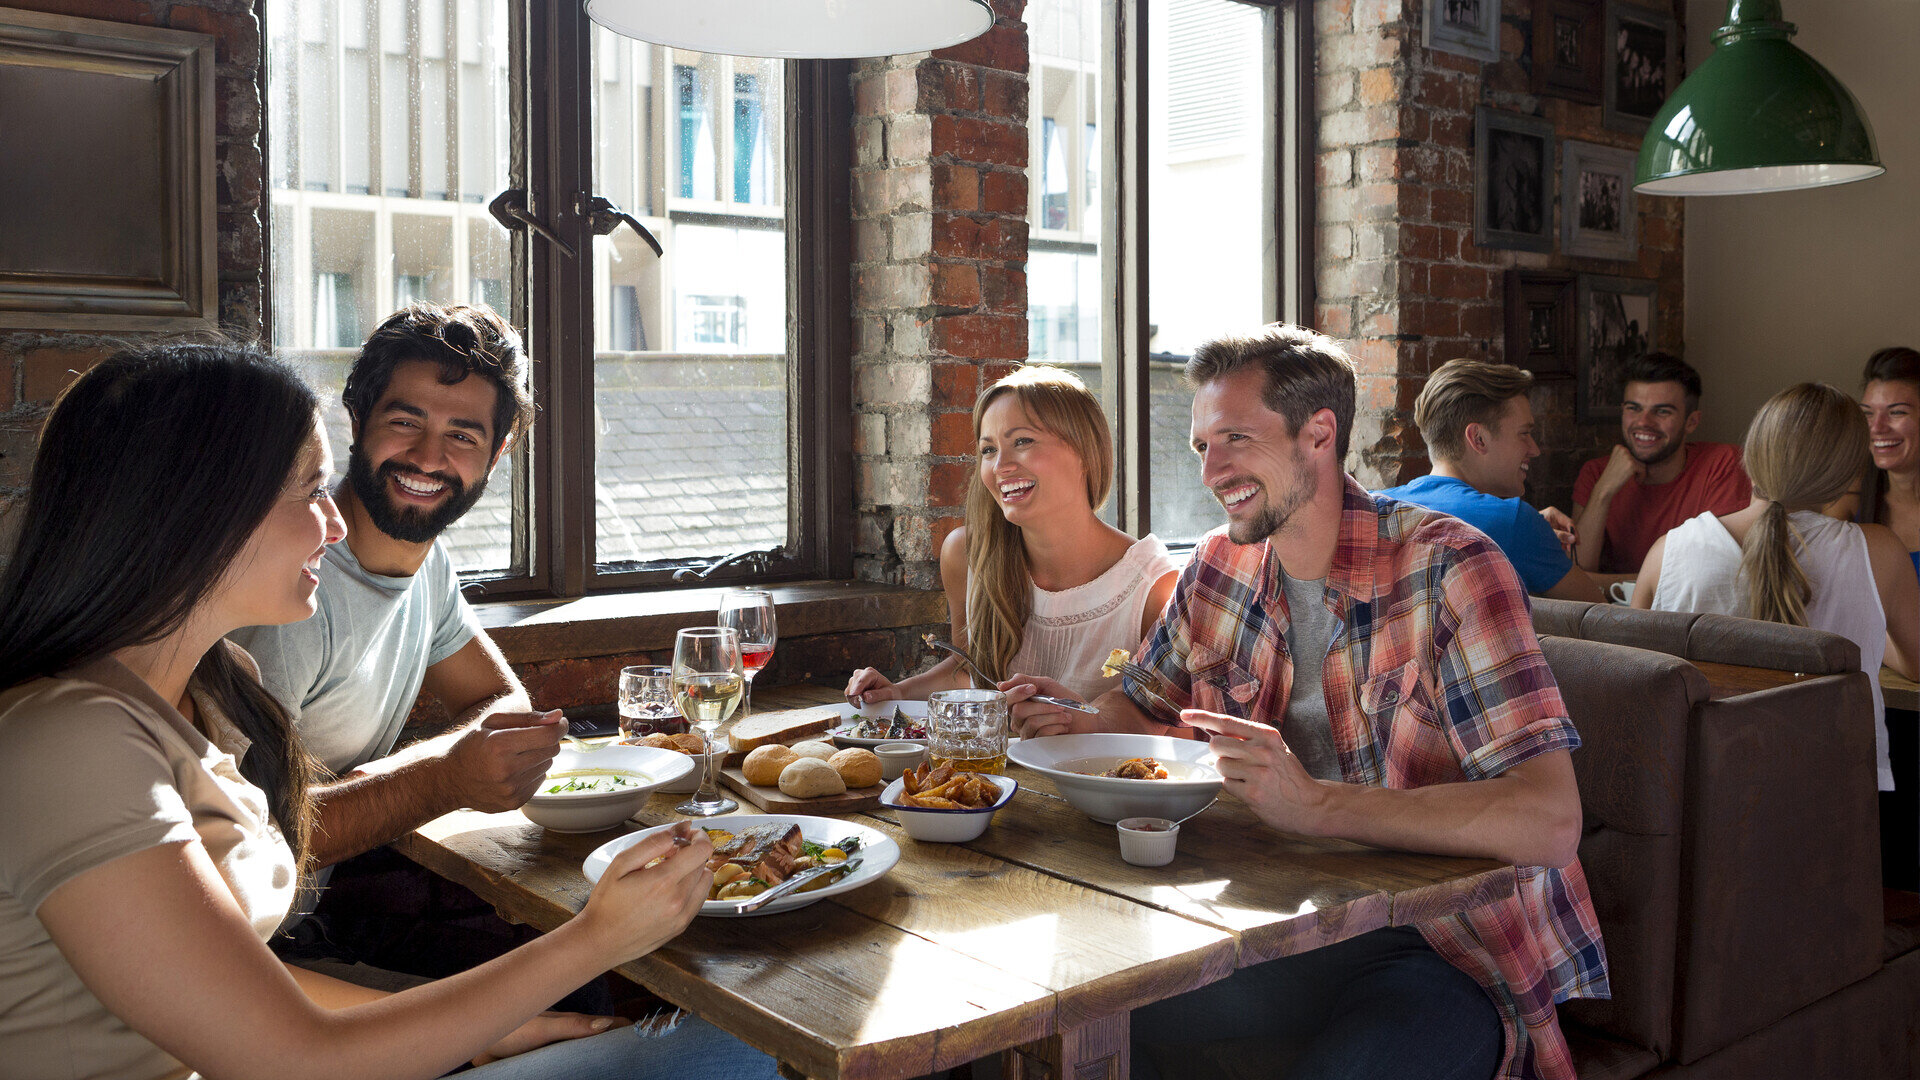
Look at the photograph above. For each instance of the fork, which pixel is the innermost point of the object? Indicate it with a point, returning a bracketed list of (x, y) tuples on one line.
[(1065, 703), (1146, 681), (755, 903)]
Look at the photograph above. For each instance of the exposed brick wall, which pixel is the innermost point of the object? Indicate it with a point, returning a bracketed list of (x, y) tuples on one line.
[(939, 282), (1399, 276), (35, 366)]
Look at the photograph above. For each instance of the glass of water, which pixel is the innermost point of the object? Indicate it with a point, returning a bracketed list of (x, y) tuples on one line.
[(968, 730)]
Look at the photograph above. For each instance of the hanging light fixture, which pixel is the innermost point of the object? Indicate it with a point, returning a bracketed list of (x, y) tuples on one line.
[(1756, 115), (797, 29)]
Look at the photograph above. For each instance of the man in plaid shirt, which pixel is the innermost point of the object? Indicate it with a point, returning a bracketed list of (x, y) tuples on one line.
[(1424, 718)]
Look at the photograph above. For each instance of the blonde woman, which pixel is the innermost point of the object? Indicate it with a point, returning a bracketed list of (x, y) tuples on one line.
[(1035, 582), (1781, 560)]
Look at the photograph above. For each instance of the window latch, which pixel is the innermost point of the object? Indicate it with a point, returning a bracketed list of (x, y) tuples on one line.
[(509, 208), (756, 561), (604, 217)]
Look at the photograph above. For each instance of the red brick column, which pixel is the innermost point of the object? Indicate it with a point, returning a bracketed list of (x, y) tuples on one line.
[(1399, 276), (939, 281)]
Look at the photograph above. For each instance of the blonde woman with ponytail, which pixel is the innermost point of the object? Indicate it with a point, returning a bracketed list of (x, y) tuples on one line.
[(1781, 560), (1036, 583)]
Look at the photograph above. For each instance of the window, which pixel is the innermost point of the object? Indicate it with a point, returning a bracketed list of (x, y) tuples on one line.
[(668, 386), (1207, 196)]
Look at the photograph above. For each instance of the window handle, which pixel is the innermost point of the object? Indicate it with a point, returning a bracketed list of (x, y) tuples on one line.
[(606, 217), (756, 562), (509, 208)]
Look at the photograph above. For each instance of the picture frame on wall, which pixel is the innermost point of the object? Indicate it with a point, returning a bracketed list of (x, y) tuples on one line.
[(1641, 66), (1567, 49), (1464, 27), (1541, 321), (1512, 181), (1618, 320), (1598, 216)]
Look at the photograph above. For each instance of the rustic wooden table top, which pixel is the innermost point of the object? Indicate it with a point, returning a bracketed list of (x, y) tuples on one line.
[(1035, 936)]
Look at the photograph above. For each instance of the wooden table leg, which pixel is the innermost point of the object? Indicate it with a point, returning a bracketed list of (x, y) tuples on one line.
[(1093, 1051)]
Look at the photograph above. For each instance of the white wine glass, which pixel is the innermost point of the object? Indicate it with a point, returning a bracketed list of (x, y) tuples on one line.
[(707, 682), (750, 611)]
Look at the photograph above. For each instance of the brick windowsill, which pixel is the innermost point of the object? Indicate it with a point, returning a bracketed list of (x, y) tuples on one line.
[(619, 623)]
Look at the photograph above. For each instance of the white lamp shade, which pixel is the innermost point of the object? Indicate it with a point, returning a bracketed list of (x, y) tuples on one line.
[(797, 29)]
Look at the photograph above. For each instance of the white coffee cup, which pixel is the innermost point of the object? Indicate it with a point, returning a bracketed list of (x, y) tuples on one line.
[(1621, 591)]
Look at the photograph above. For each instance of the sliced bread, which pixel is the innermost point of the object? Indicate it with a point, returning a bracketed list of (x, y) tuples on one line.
[(779, 727)]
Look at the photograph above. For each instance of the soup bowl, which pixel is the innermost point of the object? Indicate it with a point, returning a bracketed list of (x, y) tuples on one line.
[(579, 794), (1074, 762)]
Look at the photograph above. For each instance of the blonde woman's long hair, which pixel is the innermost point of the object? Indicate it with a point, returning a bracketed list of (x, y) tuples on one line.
[(1805, 448), (999, 582)]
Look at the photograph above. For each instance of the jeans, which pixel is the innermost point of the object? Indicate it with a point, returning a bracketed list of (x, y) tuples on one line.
[(1378, 1005), (648, 1050)]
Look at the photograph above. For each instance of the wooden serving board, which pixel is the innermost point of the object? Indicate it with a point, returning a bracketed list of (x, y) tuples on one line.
[(775, 801)]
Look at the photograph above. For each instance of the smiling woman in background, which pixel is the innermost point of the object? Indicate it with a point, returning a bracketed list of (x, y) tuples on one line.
[(179, 493), (1891, 401), (1036, 583)]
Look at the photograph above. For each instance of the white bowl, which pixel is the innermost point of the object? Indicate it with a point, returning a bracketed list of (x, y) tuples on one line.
[(1148, 841), (946, 826), (581, 812), (898, 757), (1070, 760)]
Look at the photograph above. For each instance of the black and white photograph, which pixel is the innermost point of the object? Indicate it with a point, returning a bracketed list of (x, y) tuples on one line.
[(1642, 65), (1616, 323), (1540, 321), (1598, 219), (1512, 181), (1566, 49), (1465, 27)]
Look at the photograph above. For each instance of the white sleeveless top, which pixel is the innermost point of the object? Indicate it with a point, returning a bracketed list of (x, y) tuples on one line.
[(1070, 632), (1701, 572)]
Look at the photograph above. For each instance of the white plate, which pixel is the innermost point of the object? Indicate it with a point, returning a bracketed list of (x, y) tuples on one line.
[(912, 710), (1063, 758), (877, 853)]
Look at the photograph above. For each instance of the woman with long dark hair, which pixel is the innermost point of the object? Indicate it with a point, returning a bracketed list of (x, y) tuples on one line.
[(179, 493), (1890, 399)]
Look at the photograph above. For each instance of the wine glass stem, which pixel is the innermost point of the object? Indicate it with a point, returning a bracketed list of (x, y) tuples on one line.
[(746, 698), (710, 779)]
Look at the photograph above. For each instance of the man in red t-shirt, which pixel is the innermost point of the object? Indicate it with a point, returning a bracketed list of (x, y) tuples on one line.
[(1623, 503)]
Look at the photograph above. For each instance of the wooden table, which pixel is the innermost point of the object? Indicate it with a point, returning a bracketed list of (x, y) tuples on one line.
[(1035, 940), (1898, 691)]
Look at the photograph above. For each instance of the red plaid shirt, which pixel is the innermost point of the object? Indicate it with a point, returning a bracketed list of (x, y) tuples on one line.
[(1434, 677)]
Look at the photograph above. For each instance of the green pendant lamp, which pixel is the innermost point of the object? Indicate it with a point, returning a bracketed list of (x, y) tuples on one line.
[(1757, 115)]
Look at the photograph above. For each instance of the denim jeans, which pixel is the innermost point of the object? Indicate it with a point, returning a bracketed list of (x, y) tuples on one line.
[(1378, 1005), (646, 1051)]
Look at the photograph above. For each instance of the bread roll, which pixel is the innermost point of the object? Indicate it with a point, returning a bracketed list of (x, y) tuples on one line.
[(810, 778), (858, 767), (822, 750), (764, 763)]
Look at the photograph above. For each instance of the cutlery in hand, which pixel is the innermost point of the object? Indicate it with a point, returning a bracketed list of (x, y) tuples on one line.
[(1048, 699), (1146, 681)]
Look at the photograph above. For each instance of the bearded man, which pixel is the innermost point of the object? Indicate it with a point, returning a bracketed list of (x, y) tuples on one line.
[(1655, 479), (1366, 669)]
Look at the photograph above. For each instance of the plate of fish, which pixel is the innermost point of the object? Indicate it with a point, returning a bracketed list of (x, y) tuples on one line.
[(880, 722), (772, 848)]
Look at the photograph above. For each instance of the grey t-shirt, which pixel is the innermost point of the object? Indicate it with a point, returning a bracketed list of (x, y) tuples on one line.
[(1307, 728), (350, 674)]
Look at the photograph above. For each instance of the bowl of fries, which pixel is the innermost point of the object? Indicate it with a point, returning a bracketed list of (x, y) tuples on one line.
[(946, 807)]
